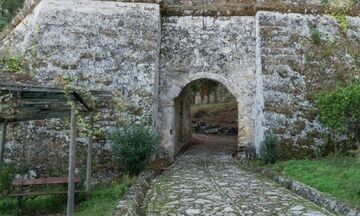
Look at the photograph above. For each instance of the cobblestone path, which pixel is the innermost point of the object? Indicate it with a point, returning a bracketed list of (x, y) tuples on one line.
[(207, 181)]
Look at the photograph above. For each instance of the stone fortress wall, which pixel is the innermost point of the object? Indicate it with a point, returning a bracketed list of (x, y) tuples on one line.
[(292, 68), (100, 45), (151, 51)]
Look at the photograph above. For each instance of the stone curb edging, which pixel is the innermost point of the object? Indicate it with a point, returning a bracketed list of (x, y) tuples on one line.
[(133, 198), (310, 193)]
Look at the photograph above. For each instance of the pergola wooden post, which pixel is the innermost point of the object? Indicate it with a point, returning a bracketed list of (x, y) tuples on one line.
[(72, 163), (2, 141), (89, 159)]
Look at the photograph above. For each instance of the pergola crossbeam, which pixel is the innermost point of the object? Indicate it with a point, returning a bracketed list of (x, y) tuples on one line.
[(37, 103)]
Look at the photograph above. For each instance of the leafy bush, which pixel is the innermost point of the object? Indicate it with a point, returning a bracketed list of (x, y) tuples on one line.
[(340, 110), (268, 149), (6, 177), (134, 146), (12, 64)]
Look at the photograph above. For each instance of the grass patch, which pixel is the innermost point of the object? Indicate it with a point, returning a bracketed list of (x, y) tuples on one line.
[(103, 201), (39, 206), (339, 177)]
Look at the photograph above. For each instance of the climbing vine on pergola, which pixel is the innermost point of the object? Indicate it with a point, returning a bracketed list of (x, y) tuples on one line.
[(25, 103)]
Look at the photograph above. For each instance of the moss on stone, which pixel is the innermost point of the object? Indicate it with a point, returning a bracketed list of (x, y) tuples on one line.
[(279, 130), (309, 113), (285, 110), (285, 149), (297, 127)]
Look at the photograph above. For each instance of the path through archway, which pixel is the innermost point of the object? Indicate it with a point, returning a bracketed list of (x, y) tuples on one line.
[(205, 109)]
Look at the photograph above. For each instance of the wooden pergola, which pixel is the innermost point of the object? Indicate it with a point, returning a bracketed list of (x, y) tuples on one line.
[(39, 103)]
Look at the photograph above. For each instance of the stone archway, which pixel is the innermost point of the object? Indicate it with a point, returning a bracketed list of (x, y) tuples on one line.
[(173, 107), (221, 49)]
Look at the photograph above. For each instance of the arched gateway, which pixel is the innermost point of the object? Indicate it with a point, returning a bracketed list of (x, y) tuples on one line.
[(177, 112), (206, 48)]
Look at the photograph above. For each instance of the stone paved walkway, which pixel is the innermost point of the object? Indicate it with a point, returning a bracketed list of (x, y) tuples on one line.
[(207, 181)]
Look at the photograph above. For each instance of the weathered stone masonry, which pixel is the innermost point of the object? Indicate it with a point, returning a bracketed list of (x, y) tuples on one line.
[(291, 69), (128, 47), (101, 45), (221, 49)]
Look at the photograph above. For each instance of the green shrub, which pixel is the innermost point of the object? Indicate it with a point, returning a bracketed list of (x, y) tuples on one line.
[(134, 146), (315, 35), (340, 110), (6, 177), (268, 149), (11, 64)]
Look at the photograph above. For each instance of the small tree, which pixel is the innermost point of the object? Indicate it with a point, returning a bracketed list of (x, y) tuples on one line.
[(134, 146), (268, 149), (340, 110)]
